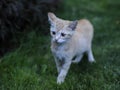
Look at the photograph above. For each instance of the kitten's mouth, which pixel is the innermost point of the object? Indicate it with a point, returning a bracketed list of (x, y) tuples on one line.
[(59, 41)]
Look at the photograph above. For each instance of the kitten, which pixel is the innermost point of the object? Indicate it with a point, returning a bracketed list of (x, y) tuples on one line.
[(70, 40)]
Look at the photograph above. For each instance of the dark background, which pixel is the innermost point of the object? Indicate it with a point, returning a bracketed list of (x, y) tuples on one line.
[(18, 17)]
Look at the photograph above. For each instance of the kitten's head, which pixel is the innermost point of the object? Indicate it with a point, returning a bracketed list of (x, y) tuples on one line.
[(61, 30)]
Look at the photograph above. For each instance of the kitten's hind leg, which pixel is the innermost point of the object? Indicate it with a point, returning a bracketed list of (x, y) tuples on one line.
[(90, 56), (77, 59)]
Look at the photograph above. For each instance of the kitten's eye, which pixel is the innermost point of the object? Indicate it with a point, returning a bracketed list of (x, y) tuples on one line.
[(53, 32), (63, 34)]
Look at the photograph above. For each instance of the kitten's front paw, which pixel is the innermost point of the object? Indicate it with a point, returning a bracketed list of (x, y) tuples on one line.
[(92, 61), (75, 61), (60, 80)]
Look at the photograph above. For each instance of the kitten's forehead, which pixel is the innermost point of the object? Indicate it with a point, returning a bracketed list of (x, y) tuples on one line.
[(59, 25)]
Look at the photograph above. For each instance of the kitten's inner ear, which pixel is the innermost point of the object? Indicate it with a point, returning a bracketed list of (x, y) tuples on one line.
[(51, 18), (73, 25)]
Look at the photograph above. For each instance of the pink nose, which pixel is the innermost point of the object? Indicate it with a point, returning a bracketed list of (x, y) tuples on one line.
[(56, 40)]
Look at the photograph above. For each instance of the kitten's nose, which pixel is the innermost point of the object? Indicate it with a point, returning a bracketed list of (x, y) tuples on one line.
[(56, 38)]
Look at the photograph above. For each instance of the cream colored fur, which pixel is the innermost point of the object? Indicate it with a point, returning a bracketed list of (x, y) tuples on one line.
[(76, 42)]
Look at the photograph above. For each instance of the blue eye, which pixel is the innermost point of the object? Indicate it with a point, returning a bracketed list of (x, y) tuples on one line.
[(53, 32), (63, 34)]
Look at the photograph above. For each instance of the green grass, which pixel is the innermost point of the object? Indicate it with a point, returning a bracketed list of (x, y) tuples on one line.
[(32, 67)]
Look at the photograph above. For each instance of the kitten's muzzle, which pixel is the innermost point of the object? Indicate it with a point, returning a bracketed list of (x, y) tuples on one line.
[(55, 40)]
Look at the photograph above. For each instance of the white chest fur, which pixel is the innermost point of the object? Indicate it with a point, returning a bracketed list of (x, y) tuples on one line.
[(60, 52)]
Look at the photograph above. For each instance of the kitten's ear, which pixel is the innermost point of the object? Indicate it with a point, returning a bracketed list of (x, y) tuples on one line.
[(73, 25), (51, 18)]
